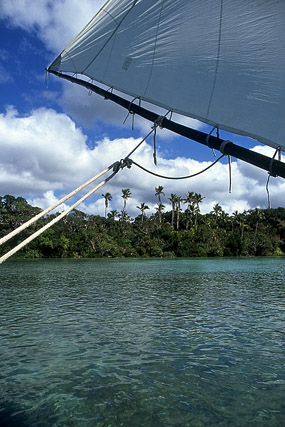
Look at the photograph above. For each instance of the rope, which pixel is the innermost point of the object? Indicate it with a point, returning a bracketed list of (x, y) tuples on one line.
[(154, 148), (230, 174), (50, 208), (127, 162), (54, 221), (208, 136), (278, 151), (131, 112), (180, 177)]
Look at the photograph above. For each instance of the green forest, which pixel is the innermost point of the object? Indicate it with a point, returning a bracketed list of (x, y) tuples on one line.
[(181, 231)]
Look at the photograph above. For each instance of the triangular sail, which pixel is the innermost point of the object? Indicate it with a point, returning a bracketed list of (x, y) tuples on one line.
[(220, 61)]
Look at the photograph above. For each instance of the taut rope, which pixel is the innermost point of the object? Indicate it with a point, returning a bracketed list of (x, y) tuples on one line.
[(50, 208), (55, 220), (116, 166)]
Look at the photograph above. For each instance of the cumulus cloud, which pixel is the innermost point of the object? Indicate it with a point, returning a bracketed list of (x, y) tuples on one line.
[(49, 19), (89, 109), (53, 21), (44, 156), (44, 153)]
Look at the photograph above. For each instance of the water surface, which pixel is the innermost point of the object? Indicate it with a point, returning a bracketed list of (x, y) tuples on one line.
[(182, 342)]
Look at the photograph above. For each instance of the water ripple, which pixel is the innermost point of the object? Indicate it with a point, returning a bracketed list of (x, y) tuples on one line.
[(142, 342)]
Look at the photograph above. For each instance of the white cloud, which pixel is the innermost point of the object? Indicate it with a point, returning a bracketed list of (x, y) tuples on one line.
[(46, 200), (55, 22), (44, 153), (89, 109)]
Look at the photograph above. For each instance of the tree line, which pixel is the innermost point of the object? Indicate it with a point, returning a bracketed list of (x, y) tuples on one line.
[(181, 232)]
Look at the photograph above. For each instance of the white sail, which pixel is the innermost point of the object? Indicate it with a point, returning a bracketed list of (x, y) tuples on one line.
[(220, 61)]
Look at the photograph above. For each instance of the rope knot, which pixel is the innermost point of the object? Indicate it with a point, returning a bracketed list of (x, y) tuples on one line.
[(158, 122), (126, 162)]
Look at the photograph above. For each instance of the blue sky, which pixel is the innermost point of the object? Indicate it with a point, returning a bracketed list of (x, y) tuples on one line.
[(55, 137)]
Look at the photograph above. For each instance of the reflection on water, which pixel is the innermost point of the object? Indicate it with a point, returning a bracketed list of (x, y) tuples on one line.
[(142, 342)]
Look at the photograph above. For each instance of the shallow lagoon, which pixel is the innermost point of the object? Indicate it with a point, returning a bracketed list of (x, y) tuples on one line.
[(180, 342)]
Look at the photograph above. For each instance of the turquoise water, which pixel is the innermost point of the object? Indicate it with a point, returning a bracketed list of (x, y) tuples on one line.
[(182, 342)]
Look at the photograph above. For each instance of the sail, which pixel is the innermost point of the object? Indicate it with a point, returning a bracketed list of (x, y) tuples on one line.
[(219, 61)]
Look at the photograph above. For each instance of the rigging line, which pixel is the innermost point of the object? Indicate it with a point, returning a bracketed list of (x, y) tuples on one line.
[(180, 177), (140, 143), (154, 49), (251, 157), (50, 208), (278, 151), (109, 38), (218, 59), (156, 123), (55, 220), (230, 174)]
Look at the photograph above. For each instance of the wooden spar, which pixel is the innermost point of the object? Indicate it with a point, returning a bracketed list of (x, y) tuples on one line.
[(274, 167)]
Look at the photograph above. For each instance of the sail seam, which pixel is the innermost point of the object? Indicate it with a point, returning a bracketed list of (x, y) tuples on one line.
[(113, 33), (155, 43), (218, 59)]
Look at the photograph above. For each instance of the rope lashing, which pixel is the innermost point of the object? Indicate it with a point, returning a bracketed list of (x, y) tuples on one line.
[(158, 122), (270, 173), (126, 162), (130, 112), (223, 146), (208, 136), (109, 90)]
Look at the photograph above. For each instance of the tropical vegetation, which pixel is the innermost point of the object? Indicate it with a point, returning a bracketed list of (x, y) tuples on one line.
[(181, 232)]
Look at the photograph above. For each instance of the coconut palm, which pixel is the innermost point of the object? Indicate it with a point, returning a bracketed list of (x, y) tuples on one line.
[(113, 214), (123, 216), (159, 208), (126, 195), (191, 207), (159, 192), (108, 198), (172, 198), (197, 200), (217, 211), (142, 208), (257, 215), (178, 209)]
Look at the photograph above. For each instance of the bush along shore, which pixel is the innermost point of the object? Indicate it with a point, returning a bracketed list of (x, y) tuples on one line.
[(181, 232)]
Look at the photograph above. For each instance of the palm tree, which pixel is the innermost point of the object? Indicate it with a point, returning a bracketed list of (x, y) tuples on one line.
[(197, 199), (108, 198), (191, 207), (113, 214), (217, 211), (172, 198), (258, 215), (123, 216), (177, 203), (160, 207), (142, 208), (126, 195), (159, 192)]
